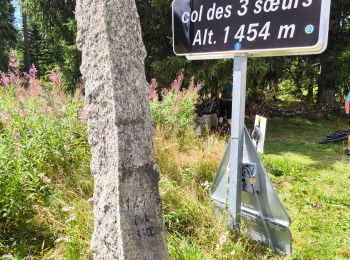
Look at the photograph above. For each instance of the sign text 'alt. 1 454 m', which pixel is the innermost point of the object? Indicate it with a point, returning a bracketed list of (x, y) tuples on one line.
[(252, 27)]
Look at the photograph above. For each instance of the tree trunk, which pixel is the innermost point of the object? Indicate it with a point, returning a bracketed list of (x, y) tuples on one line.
[(326, 97), (214, 87), (326, 87), (310, 91), (27, 62), (127, 205), (2, 60), (326, 81)]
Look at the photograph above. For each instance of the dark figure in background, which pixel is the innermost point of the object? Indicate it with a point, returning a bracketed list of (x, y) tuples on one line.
[(347, 116), (225, 108)]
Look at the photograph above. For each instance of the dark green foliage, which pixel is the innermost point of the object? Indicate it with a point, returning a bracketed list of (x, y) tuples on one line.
[(161, 63), (55, 21), (329, 71), (52, 42), (333, 77), (44, 52), (164, 65), (7, 32), (155, 17), (264, 76)]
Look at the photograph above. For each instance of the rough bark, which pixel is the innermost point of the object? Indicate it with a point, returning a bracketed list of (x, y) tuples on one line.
[(310, 91), (326, 92), (127, 205), (327, 79), (2, 59)]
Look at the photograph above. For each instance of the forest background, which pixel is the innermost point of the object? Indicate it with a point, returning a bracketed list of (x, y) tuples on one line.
[(43, 33)]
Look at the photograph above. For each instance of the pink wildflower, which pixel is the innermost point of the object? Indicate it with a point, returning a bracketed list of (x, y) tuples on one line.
[(192, 84), (4, 80), (33, 70), (13, 61), (5, 119), (154, 83), (53, 78), (153, 95), (177, 83), (164, 91), (34, 88), (11, 75)]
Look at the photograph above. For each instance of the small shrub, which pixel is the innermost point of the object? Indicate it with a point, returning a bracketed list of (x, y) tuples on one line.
[(176, 110)]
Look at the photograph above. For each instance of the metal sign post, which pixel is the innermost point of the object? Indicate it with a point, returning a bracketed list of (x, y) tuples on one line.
[(219, 29), (237, 134)]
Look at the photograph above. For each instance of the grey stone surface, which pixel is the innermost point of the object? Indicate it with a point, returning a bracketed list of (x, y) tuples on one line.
[(127, 205)]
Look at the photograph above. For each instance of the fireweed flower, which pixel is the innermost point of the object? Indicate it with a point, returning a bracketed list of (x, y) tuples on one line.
[(5, 119), (164, 91), (34, 88), (13, 61), (177, 83), (33, 70), (192, 84), (175, 86), (4, 81), (29, 78), (53, 78), (11, 75), (154, 84), (152, 95)]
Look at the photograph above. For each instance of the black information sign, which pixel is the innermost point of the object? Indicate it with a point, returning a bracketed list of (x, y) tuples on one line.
[(204, 28)]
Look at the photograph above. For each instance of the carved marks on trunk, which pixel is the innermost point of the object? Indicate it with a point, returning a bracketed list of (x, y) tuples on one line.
[(136, 203)]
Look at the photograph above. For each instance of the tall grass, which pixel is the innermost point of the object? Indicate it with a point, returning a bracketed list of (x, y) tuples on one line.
[(44, 158), (46, 186), (188, 163), (174, 112)]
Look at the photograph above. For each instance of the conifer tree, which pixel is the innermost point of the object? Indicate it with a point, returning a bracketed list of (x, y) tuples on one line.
[(7, 31)]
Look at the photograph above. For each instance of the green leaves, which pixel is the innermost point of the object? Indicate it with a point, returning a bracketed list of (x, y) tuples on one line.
[(52, 38), (175, 113), (37, 148)]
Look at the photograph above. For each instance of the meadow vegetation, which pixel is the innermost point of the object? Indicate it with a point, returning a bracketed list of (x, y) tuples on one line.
[(45, 183), (46, 186)]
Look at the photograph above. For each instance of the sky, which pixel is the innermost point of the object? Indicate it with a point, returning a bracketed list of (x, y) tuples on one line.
[(18, 18)]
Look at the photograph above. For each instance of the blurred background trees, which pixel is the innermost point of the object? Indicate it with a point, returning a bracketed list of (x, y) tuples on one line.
[(7, 32), (46, 36)]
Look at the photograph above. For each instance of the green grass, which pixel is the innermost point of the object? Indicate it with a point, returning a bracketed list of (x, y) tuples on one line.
[(46, 186), (313, 182)]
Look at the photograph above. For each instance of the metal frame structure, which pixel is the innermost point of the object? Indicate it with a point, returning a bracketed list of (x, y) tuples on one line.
[(242, 183), (237, 133)]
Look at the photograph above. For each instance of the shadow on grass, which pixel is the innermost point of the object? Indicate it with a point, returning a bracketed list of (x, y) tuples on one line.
[(301, 137)]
